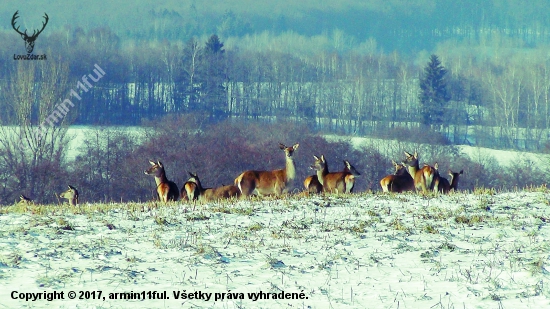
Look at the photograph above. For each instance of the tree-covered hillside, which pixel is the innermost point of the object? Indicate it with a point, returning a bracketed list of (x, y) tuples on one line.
[(399, 25)]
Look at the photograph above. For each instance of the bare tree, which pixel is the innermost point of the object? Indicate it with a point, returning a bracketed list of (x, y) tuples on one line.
[(33, 131), (191, 59)]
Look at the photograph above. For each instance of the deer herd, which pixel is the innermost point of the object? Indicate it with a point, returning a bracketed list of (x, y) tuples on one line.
[(408, 176)]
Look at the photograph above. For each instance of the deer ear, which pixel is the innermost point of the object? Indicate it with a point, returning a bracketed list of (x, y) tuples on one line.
[(323, 158), (152, 163), (296, 146), (316, 158), (159, 164)]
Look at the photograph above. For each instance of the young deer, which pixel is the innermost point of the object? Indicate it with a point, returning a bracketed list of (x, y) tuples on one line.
[(400, 181), (338, 182), (274, 182), (211, 194), (312, 184), (71, 194), (423, 177), (167, 190)]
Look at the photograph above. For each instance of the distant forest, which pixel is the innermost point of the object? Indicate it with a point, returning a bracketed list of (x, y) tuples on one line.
[(396, 25), (353, 68)]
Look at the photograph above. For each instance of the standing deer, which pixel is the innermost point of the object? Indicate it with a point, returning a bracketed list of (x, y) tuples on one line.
[(312, 184), (189, 191), (351, 173), (167, 190), (423, 177), (71, 195), (274, 182), (338, 182), (400, 181), (211, 194), (29, 40)]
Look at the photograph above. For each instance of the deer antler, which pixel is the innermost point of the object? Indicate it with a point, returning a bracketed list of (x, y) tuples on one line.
[(43, 25), (13, 23), (34, 33)]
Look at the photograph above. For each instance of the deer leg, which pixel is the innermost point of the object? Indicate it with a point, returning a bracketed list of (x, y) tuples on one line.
[(423, 185)]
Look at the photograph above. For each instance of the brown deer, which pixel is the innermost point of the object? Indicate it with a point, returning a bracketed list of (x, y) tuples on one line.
[(71, 195), (189, 191), (211, 194), (351, 173), (400, 181), (444, 186), (274, 182), (167, 190), (337, 182), (23, 200), (454, 179), (312, 184), (423, 177), (29, 40), (439, 181)]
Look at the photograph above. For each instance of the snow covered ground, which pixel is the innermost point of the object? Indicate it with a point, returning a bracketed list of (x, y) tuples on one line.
[(502, 157), (464, 250)]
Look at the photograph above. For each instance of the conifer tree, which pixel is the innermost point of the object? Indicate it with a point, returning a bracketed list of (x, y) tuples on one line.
[(213, 86), (433, 93)]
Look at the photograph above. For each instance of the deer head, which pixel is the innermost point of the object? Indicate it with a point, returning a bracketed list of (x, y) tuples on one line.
[(71, 194), (156, 169), (29, 40)]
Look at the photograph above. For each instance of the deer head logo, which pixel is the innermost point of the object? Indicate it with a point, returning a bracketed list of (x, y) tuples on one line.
[(29, 40)]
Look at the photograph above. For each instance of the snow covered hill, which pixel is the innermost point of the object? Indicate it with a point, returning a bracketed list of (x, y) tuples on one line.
[(474, 250)]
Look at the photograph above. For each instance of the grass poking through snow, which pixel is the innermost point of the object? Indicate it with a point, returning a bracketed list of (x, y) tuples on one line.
[(463, 250)]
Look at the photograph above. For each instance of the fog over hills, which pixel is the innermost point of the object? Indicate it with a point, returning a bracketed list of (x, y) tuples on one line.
[(405, 26)]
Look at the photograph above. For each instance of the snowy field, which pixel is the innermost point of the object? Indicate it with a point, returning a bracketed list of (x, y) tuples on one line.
[(464, 250), (502, 157)]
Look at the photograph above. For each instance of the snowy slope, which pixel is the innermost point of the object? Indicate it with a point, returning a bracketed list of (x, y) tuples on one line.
[(362, 251)]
